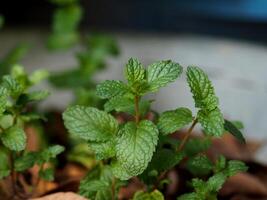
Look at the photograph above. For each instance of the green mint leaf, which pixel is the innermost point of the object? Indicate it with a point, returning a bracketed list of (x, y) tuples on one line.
[(212, 122), (119, 171), (126, 104), (201, 88), (109, 89), (103, 150), (14, 138), (90, 123), (12, 86), (4, 167), (161, 73), (194, 146), (26, 161), (67, 18), (47, 174), (220, 163), (49, 153), (199, 165), (38, 75), (234, 167), (189, 196), (155, 195), (3, 99), (163, 160), (136, 145), (215, 183), (231, 128), (12, 58), (171, 121), (32, 96), (135, 72)]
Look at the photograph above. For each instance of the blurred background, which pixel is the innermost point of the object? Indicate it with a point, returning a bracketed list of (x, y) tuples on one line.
[(227, 38)]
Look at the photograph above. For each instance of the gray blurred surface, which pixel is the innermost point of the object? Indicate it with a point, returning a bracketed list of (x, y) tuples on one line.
[(238, 70)]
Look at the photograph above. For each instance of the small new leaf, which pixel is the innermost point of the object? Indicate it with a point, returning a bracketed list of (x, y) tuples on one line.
[(49, 153), (161, 73), (14, 138), (26, 161), (234, 167), (231, 128), (216, 182), (32, 96), (212, 122), (136, 145), (109, 89), (47, 174), (201, 88), (134, 71), (12, 86), (90, 123), (171, 121), (199, 165)]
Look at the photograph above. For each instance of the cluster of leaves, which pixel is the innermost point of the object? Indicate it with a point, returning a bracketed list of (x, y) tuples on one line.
[(15, 98), (91, 60), (138, 147), (209, 189), (66, 19)]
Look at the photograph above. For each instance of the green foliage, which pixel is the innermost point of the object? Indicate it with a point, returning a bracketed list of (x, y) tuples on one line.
[(66, 20), (212, 122), (199, 165), (110, 88), (100, 184), (232, 128), (14, 101), (14, 138), (4, 167), (47, 174), (12, 58), (136, 145), (202, 89), (142, 148), (155, 195), (26, 161), (171, 121), (209, 115), (90, 123), (161, 73), (208, 189)]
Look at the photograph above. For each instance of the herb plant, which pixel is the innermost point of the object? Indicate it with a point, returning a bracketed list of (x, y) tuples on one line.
[(15, 97), (138, 147)]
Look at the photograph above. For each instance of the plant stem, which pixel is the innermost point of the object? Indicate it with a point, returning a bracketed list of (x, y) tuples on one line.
[(186, 137), (37, 181), (136, 107)]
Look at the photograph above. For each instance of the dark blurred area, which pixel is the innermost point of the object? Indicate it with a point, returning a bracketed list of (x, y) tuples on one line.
[(231, 18)]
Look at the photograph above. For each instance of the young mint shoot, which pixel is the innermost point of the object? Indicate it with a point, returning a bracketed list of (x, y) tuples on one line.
[(138, 147), (15, 97)]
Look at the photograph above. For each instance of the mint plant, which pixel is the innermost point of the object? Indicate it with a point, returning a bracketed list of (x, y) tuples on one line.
[(15, 97), (143, 148)]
